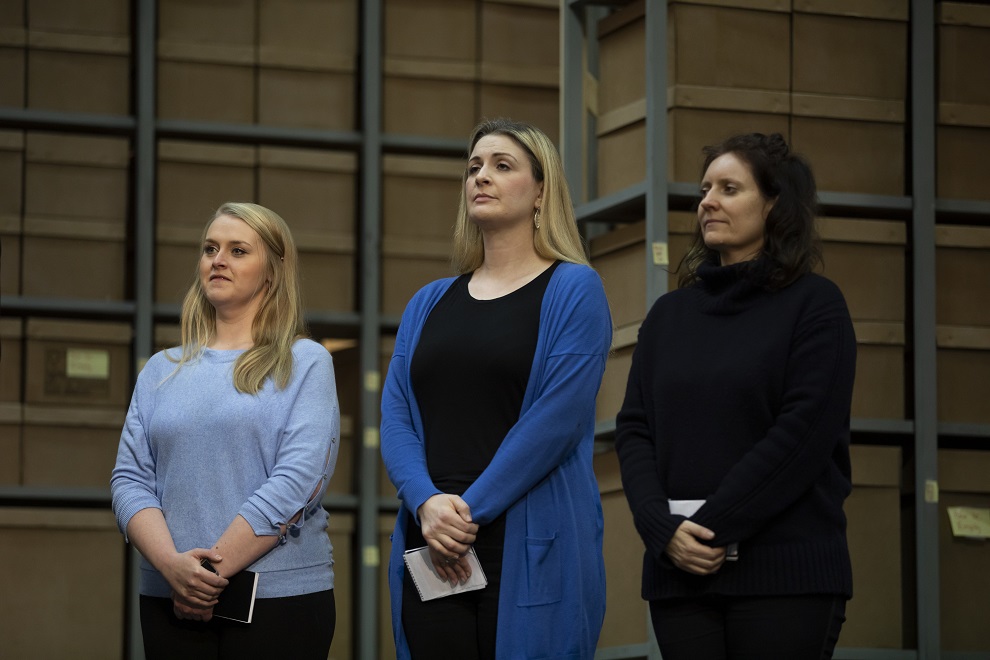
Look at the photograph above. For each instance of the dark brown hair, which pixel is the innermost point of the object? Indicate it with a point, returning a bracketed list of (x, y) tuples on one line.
[(791, 246)]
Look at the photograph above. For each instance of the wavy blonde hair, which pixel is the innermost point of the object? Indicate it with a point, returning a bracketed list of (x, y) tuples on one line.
[(279, 321), (557, 237)]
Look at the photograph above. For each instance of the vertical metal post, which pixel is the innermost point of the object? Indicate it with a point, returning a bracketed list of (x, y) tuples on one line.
[(656, 151), (572, 106), (923, 122), (370, 256), (143, 52)]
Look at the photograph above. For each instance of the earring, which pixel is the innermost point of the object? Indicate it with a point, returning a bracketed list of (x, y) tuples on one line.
[(536, 217)]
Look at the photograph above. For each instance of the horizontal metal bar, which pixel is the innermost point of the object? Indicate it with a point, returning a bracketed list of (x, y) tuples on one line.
[(622, 206), (49, 120), (978, 207), (41, 306), (51, 496), (255, 133), (390, 322), (424, 145), (578, 4), (964, 430), (868, 425), (874, 654)]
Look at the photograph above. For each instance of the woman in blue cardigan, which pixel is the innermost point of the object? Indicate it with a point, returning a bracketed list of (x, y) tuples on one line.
[(488, 419)]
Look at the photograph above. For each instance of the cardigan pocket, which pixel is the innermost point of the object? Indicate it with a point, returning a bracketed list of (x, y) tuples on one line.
[(543, 572)]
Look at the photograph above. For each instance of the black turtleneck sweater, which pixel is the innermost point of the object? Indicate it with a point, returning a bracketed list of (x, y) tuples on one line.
[(740, 396)]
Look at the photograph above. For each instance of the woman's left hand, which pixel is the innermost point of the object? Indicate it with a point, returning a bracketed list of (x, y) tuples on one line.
[(189, 612), (453, 570)]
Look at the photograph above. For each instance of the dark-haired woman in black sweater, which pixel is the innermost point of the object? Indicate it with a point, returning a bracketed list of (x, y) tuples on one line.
[(738, 398)]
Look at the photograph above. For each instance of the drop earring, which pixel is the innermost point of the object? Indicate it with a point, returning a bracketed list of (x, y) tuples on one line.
[(536, 217)]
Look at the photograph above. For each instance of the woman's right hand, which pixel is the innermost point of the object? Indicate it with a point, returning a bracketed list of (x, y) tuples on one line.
[(689, 554), (193, 584), (445, 521)]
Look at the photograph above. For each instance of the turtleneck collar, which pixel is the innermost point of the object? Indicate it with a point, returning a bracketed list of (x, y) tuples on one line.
[(730, 289)]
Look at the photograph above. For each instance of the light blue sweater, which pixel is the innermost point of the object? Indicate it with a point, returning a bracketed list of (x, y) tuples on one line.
[(202, 452), (552, 598)]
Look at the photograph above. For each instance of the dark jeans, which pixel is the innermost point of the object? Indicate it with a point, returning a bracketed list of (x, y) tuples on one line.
[(298, 627), (748, 628), (461, 626)]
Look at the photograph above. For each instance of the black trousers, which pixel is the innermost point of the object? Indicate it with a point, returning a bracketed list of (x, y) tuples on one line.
[(748, 628), (298, 627), (461, 626)]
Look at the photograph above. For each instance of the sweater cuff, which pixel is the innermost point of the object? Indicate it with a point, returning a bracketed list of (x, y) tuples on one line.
[(415, 492), (656, 525)]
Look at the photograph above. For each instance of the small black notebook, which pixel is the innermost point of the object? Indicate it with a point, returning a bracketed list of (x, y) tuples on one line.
[(236, 601)]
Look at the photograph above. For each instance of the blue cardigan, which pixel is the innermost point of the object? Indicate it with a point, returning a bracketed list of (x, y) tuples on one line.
[(552, 599)]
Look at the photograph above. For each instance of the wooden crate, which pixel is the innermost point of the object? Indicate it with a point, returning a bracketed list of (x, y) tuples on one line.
[(850, 148), (420, 196), (78, 363), (408, 265), (627, 618), (963, 371), (11, 350), (406, 21), (104, 18), (79, 73), (879, 389), (873, 514), (866, 259), (70, 447), (620, 259), (90, 175), (613, 389), (10, 444), (13, 68), (963, 107), (850, 48), (962, 275), (82, 598), (416, 92), (345, 568), (964, 480)]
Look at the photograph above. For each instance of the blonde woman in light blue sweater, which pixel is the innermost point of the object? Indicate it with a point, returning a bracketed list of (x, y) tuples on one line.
[(227, 449)]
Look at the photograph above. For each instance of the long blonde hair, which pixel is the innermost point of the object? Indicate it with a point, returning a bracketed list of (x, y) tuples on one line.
[(279, 321), (557, 237)]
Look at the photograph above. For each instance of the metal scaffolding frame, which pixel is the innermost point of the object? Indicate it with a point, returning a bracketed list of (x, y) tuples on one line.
[(144, 128), (655, 193)]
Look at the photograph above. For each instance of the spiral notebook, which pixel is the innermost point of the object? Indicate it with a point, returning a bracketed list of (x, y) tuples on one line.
[(428, 582)]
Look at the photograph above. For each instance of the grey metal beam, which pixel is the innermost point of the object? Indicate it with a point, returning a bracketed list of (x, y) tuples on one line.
[(656, 151), (369, 455), (42, 306), (422, 145), (622, 206), (923, 94), (178, 129), (961, 430), (50, 120), (974, 207), (874, 654), (572, 99), (145, 77)]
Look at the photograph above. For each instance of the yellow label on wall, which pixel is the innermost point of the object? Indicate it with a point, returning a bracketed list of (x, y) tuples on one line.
[(970, 522), (660, 255), (87, 363)]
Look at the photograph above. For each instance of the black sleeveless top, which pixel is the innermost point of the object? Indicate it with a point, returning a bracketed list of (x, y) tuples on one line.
[(469, 373)]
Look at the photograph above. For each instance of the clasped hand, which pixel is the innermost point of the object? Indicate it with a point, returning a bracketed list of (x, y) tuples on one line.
[(194, 588), (445, 521), (688, 552)]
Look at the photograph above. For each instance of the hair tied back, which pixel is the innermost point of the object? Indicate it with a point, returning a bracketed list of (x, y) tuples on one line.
[(776, 146)]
